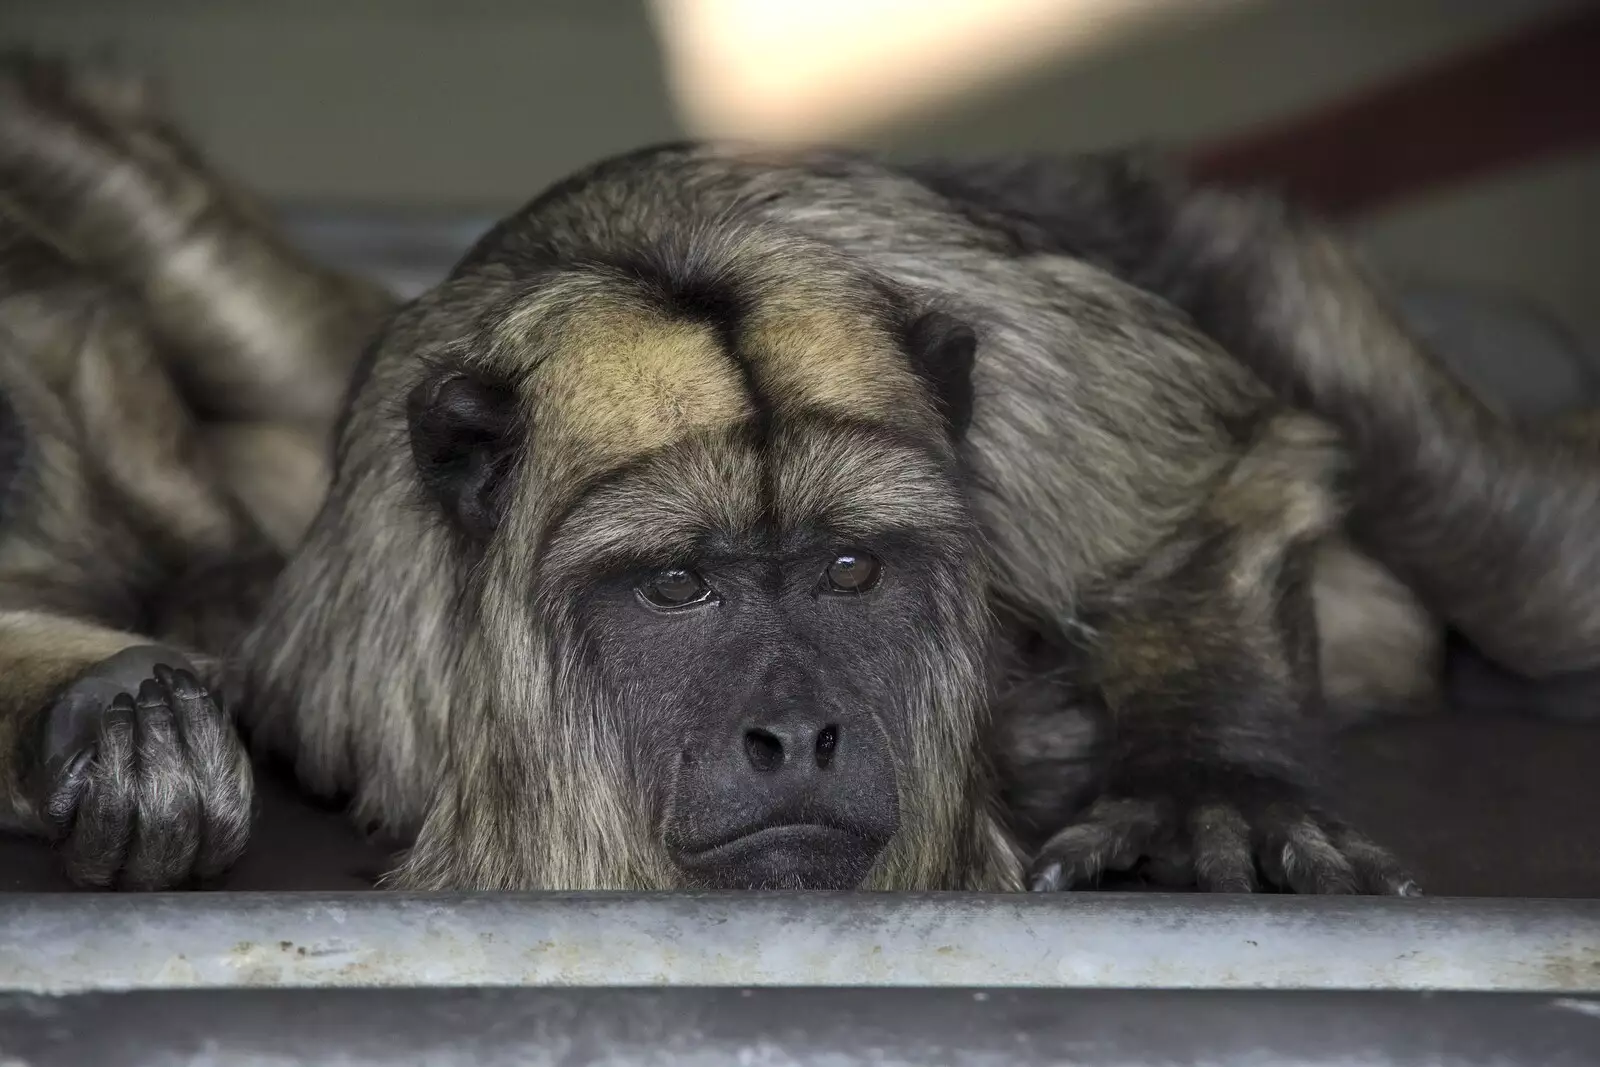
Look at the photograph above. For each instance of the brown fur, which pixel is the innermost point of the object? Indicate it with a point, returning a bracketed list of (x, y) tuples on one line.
[(1134, 511)]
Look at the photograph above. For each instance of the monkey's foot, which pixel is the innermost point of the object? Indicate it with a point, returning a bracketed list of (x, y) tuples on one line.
[(1220, 843), (147, 791)]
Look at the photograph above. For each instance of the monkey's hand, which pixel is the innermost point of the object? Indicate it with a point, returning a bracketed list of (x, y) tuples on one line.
[(1223, 831), (142, 780)]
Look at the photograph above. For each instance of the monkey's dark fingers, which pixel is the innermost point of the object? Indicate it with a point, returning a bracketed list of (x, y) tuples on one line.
[(219, 767), (67, 791), (1224, 861), (1377, 872), (103, 823), (167, 805), (1112, 835), (1298, 854)]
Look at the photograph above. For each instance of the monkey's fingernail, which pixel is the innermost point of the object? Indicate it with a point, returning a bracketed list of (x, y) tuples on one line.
[(185, 684), (150, 692)]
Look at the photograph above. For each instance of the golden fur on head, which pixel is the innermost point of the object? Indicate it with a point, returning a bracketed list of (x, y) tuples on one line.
[(615, 368), (620, 380)]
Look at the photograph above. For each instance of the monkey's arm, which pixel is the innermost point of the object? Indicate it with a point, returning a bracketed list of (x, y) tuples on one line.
[(1493, 524), (1205, 661), (133, 768), (111, 746), (114, 532)]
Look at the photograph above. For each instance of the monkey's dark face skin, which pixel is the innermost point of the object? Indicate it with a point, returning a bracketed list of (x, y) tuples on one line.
[(764, 671)]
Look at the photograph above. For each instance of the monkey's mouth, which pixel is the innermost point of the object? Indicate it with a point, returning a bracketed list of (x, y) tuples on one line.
[(803, 855)]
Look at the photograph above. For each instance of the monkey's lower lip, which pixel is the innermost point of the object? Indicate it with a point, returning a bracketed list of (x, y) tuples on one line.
[(804, 835), (794, 856), (786, 856)]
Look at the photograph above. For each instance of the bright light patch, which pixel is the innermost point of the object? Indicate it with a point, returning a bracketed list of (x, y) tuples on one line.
[(828, 69)]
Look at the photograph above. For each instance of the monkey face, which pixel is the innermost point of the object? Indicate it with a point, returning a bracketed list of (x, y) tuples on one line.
[(775, 674), (761, 673), (730, 581)]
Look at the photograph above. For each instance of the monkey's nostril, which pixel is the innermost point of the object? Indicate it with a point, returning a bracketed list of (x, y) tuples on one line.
[(827, 741), (764, 750)]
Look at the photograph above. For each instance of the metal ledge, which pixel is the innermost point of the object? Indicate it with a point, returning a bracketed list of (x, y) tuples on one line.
[(776, 1028), (69, 943)]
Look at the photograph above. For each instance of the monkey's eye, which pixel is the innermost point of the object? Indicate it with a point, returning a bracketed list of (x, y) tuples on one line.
[(851, 574), (676, 589)]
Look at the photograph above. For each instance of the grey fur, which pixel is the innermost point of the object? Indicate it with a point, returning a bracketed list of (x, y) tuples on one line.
[(1104, 425), (1128, 502)]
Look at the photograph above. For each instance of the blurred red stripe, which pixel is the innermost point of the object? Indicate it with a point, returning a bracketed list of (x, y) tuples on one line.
[(1530, 95)]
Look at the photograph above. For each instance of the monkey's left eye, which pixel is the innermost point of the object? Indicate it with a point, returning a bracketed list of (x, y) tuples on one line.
[(851, 574), (676, 589)]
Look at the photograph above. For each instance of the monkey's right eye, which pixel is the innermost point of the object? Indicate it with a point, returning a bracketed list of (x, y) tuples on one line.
[(676, 589)]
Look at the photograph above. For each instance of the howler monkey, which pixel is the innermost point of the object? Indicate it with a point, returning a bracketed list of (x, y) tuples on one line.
[(729, 517)]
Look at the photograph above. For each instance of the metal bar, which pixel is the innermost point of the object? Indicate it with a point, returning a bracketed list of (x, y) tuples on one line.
[(775, 1028), (61, 943)]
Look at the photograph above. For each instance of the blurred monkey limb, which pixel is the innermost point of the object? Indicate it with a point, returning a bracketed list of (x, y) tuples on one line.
[(1486, 524), (1490, 521), (169, 374), (258, 339)]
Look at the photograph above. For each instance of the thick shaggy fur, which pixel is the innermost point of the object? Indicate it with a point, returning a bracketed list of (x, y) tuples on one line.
[(1116, 539), (1130, 493)]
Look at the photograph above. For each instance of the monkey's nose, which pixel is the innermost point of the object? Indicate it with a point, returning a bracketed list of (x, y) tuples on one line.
[(770, 749)]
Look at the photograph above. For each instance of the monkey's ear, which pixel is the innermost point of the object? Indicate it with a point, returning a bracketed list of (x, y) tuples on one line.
[(943, 350), (464, 440)]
